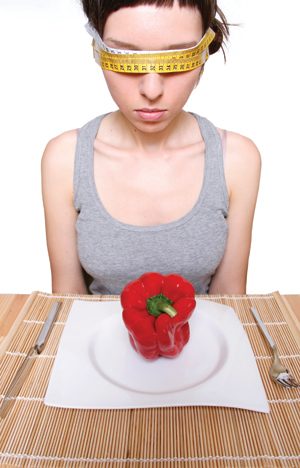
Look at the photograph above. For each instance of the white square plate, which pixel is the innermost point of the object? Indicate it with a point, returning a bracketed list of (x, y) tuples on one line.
[(96, 367)]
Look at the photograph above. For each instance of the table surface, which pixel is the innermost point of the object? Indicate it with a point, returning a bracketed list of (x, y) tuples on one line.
[(32, 434), (16, 302)]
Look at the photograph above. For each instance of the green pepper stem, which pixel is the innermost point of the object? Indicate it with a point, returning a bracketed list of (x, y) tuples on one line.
[(168, 309), (159, 304)]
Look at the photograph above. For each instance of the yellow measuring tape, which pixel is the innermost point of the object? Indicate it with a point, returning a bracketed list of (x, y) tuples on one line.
[(128, 61)]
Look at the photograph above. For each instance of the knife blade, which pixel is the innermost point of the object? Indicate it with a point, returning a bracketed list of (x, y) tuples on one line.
[(25, 367), (263, 327)]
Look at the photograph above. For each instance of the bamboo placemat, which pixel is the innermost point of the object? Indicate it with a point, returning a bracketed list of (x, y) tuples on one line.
[(35, 435)]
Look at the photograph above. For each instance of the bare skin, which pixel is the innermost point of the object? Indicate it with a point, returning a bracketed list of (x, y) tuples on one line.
[(149, 173)]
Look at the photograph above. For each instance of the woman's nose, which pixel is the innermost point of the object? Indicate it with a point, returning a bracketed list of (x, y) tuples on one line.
[(151, 86)]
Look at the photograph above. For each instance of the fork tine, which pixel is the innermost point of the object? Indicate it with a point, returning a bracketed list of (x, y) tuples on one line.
[(293, 382), (284, 383)]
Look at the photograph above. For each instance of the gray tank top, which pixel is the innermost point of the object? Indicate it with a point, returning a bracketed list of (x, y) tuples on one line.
[(114, 253)]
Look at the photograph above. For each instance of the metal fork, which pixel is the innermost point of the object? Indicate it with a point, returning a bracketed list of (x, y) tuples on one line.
[(277, 371)]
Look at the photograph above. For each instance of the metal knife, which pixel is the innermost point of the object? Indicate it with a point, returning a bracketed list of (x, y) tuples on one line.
[(263, 328), (29, 360)]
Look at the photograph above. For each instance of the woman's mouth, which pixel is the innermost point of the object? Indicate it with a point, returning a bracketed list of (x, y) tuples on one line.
[(150, 114)]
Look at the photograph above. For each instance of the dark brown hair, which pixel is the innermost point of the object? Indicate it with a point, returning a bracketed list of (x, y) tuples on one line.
[(97, 12)]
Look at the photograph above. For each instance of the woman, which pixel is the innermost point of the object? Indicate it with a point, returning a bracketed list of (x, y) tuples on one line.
[(150, 187)]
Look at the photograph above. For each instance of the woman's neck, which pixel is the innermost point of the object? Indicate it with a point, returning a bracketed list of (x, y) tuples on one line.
[(175, 135)]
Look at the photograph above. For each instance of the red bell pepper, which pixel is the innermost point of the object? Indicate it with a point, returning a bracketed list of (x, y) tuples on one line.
[(156, 309)]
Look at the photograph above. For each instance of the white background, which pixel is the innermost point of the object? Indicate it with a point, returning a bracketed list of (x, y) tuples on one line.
[(49, 83)]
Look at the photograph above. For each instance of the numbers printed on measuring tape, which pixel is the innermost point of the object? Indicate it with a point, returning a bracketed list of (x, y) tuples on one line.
[(125, 61)]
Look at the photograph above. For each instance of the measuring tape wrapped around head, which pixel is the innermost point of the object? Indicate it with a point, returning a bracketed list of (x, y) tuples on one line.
[(150, 61)]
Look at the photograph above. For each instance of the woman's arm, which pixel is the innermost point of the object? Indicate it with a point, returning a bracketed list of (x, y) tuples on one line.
[(242, 171), (60, 214)]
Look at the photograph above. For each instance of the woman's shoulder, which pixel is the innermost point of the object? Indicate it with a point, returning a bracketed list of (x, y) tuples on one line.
[(242, 159), (240, 149), (57, 165), (59, 152), (240, 143)]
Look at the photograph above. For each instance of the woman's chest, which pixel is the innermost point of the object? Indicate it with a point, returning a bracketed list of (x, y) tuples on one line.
[(114, 254), (152, 190)]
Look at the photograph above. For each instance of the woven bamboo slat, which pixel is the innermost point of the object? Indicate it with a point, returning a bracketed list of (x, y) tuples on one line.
[(35, 435)]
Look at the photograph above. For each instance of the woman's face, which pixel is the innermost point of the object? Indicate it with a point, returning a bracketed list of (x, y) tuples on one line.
[(147, 27)]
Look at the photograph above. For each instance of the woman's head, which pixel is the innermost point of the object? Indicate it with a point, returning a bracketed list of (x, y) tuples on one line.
[(97, 12), (153, 26)]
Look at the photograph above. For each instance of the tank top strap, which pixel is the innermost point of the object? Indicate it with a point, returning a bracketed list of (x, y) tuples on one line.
[(84, 161), (214, 184)]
